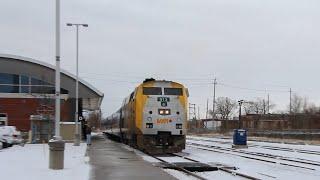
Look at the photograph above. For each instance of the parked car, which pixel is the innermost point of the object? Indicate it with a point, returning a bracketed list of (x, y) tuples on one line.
[(9, 136)]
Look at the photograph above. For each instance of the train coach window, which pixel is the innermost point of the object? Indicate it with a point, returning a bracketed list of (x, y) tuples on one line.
[(152, 91), (173, 91)]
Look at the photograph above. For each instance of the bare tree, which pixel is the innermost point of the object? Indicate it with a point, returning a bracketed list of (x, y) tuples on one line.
[(259, 106), (255, 107), (225, 107), (301, 104), (309, 108), (297, 103)]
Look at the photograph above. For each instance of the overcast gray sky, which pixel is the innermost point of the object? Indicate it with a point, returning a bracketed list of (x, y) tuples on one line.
[(254, 44)]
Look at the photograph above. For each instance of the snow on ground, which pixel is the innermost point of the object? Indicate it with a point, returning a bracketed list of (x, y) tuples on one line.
[(179, 175), (31, 162), (252, 167), (263, 147), (259, 169)]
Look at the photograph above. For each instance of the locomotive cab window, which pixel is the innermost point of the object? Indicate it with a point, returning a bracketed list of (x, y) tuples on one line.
[(152, 91), (131, 96), (173, 91)]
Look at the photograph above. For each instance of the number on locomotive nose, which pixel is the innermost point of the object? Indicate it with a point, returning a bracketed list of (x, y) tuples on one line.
[(163, 99)]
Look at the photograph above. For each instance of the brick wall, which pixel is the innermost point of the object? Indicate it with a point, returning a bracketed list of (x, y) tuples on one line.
[(20, 109)]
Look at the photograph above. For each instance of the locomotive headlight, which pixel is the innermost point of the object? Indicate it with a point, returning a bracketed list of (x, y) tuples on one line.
[(149, 119), (164, 111)]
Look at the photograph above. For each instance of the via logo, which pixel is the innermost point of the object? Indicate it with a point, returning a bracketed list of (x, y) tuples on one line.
[(164, 104)]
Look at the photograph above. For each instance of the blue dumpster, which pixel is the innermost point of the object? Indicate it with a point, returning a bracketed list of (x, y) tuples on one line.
[(239, 137)]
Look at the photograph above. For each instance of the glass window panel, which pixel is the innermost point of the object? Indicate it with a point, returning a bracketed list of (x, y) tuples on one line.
[(173, 91), (24, 80), (9, 78), (38, 82), (42, 90), (9, 89), (63, 91), (25, 89), (152, 91)]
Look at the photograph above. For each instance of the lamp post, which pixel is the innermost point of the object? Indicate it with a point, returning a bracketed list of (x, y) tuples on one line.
[(240, 135), (77, 135), (57, 145), (240, 104)]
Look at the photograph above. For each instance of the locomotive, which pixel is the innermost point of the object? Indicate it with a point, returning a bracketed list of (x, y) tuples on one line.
[(153, 118)]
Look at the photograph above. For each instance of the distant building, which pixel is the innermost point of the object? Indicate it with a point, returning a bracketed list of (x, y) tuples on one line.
[(27, 89)]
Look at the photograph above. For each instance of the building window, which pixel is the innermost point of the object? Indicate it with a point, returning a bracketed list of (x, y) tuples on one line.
[(9, 83), (41, 87), (24, 84), (9, 89), (9, 79), (12, 83), (39, 82)]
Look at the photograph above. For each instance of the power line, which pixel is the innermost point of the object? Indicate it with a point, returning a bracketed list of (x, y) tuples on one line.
[(251, 89)]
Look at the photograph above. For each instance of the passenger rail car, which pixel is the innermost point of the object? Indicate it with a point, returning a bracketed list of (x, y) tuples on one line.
[(152, 118)]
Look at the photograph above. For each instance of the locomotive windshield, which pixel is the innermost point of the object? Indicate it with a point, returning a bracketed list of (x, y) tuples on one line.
[(173, 91), (152, 91)]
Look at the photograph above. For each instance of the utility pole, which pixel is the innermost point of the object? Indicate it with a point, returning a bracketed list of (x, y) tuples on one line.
[(268, 104), (192, 111), (207, 109), (214, 98), (264, 106), (290, 106)]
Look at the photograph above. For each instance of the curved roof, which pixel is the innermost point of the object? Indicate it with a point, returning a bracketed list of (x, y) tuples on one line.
[(39, 69)]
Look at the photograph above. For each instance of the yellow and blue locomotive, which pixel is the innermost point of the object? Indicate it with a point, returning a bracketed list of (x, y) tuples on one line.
[(153, 118)]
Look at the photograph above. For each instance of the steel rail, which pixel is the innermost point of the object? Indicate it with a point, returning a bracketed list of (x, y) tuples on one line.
[(180, 168), (222, 169)]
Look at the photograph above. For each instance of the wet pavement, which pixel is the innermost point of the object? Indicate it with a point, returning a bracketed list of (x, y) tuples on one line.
[(110, 160)]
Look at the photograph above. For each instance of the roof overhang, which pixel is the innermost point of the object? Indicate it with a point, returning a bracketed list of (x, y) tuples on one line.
[(91, 97)]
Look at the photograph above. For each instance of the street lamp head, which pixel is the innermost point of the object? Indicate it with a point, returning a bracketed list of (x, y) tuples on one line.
[(69, 24), (85, 25)]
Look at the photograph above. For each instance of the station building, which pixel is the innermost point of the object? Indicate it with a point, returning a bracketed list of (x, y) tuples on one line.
[(27, 90)]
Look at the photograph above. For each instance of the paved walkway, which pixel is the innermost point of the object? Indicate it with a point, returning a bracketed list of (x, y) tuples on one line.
[(109, 160)]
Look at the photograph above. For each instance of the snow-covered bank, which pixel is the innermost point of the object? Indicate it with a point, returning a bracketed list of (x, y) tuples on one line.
[(31, 163)]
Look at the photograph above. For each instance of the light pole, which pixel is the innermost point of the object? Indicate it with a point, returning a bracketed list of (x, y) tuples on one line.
[(77, 135), (240, 135), (240, 104), (57, 86), (57, 145)]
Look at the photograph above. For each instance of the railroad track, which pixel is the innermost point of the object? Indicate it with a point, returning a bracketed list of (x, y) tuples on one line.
[(266, 147), (269, 158), (173, 166), (229, 170)]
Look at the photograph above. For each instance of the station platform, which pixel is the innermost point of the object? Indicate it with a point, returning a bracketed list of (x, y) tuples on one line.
[(110, 160)]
